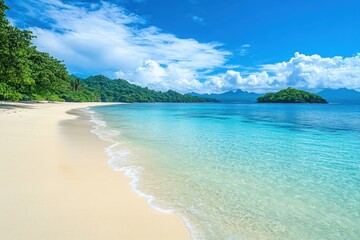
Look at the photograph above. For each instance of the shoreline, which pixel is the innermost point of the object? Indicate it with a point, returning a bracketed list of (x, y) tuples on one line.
[(63, 190), (101, 130)]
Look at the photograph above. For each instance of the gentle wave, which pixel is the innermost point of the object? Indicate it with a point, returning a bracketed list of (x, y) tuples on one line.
[(117, 160)]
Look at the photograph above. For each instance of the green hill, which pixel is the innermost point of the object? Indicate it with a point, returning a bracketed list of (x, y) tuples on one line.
[(119, 90), (291, 95)]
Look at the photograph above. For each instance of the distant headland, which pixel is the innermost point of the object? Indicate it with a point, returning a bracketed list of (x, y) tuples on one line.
[(291, 95)]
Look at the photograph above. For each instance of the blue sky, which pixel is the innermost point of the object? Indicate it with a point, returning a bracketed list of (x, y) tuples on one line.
[(202, 46)]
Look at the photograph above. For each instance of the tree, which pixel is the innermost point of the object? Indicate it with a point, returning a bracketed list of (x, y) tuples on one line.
[(15, 66), (3, 8), (75, 83), (49, 74), (24, 70)]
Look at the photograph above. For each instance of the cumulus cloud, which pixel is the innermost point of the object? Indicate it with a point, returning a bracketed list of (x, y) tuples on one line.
[(151, 74), (301, 71), (103, 38), (311, 72)]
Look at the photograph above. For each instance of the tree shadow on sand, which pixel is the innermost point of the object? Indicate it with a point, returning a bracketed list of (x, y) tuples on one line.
[(9, 106)]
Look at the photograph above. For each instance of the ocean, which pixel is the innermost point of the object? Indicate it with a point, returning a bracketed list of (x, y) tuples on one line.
[(242, 171)]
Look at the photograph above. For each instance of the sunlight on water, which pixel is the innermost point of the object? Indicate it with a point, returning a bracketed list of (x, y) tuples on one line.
[(245, 171)]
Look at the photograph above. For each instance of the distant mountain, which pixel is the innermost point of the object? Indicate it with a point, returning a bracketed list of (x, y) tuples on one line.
[(238, 96), (291, 95), (341, 95)]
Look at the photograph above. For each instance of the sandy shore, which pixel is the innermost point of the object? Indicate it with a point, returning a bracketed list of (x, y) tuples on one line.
[(55, 182)]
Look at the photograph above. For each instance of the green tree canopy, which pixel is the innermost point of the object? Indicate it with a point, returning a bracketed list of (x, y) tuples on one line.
[(119, 90), (291, 95), (26, 73)]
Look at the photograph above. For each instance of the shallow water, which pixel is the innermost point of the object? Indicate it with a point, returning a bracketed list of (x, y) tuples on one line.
[(232, 171)]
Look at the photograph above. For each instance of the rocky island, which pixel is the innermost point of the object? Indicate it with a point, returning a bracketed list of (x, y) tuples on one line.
[(291, 95)]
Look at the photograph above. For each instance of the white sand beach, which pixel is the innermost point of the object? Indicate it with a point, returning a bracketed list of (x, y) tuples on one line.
[(55, 182)]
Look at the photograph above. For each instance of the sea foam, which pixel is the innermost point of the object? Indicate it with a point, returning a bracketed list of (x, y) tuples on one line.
[(118, 162)]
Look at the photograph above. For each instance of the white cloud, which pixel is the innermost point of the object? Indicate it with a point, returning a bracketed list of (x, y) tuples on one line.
[(151, 74), (315, 72), (301, 71), (12, 21), (233, 80), (198, 19), (244, 49)]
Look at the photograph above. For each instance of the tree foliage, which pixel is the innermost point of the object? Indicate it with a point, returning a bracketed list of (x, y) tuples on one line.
[(291, 95), (119, 90), (26, 73)]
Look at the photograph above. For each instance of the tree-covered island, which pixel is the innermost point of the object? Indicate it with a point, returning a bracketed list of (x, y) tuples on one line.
[(291, 95)]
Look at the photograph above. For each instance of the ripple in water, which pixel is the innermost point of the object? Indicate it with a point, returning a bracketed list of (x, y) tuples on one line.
[(246, 171)]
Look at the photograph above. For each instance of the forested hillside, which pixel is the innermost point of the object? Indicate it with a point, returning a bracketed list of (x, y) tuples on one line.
[(119, 90)]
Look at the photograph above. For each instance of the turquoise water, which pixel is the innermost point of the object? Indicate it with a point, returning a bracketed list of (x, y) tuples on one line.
[(243, 171)]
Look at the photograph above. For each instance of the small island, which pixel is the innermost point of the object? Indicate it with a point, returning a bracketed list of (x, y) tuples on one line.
[(291, 95)]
